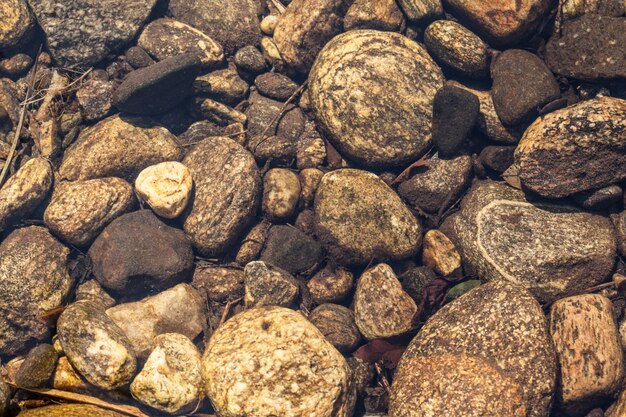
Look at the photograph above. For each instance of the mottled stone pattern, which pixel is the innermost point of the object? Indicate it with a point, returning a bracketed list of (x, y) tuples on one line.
[(364, 76), (417, 10), (16, 22), (578, 148), (502, 323), (575, 8), (167, 187), (380, 15), (69, 410), (455, 385), (337, 324), (618, 408), (271, 361), (268, 285), (281, 193)]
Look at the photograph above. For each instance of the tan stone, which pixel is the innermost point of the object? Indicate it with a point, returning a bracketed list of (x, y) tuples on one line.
[(574, 8), (330, 286), (310, 179), (268, 24), (166, 187), (618, 408), (380, 15), (417, 10), (281, 193), (253, 243), (440, 254), (16, 21), (66, 378)]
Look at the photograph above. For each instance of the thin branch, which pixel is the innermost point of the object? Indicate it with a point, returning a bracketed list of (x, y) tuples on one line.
[(279, 6)]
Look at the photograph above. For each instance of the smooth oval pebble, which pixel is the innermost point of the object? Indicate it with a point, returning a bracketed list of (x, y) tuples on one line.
[(166, 187)]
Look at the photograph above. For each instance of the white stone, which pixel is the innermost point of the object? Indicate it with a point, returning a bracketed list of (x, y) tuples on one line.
[(166, 187), (281, 193)]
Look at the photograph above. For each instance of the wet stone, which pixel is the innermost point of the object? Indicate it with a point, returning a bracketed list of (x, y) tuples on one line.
[(290, 249), (69, 410), (454, 115), (281, 193), (94, 99), (337, 324), (420, 10), (223, 85), (262, 115), (37, 367), (415, 280), (275, 86), (250, 60), (379, 15), (219, 283), (138, 58), (268, 285), (166, 187)]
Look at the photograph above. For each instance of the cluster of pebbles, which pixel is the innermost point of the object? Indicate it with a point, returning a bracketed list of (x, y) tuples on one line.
[(313, 208)]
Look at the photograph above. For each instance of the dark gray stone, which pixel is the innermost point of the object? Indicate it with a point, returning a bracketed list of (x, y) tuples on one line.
[(263, 111), (290, 249), (249, 59), (415, 280), (454, 115), (497, 158), (37, 367), (275, 85), (138, 57), (599, 199)]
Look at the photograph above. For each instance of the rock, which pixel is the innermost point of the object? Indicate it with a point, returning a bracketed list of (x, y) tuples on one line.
[(330, 285), (94, 98), (271, 52), (421, 10), (24, 191), (350, 94), (281, 193), (37, 367), (80, 210), (17, 23), (268, 285), (227, 192), (223, 85), (96, 346), (262, 118), (381, 307), (599, 199), (253, 243), (66, 378), (503, 23), (521, 84), (454, 384), (273, 361), (290, 249), (440, 185), (5, 398), (138, 58), (415, 280), (166, 187), (310, 179), (69, 410), (233, 25), (159, 87), (216, 112), (456, 47), (91, 290), (137, 252), (171, 379), (552, 250), (250, 60), (503, 324), (379, 15), (440, 254), (268, 24), (574, 8), (589, 48), (497, 158), (579, 325), (337, 324), (219, 283), (34, 279), (454, 115), (311, 149), (619, 221), (82, 33), (578, 148), (118, 147), (275, 86), (16, 65), (165, 38)]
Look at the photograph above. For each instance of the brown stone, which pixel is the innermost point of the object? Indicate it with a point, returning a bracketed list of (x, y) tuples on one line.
[(219, 283), (379, 15), (575, 8), (440, 254), (330, 285), (16, 23), (69, 410), (276, 86), (224, 85), (253, 243), (337, 324), (290, 249), (268, 285), (281, 193), (420, 10)]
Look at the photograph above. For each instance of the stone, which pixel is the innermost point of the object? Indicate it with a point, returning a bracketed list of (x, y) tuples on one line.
[(219, 284), (454, 115), (216, 112), (290, 249), (575, 8), (503, 324), (91, 290), (17, 23), (379, 15), (275, 86), (249, 59), (25, 191), (502, 23), (601, 198), (589, 48), (579, 325), (223, 85), (66, 378), (578, 148), (118, 147), (337, 324), (94, 99), (454, 384), (69, 410), (165, 38), (550, 249), (330, 285), (619, 220), (310, 179), (421, 10), (159, 87), (253, 243), (262, 118), (79, 210), (34, 279), (227, 193), (273, 361), (350, 94), (5, 398), (440, 254), (137, 251), (415, 280), (440, 185), (358, 218), (497, 158), (83, 32), (171, 379), (268, 24), (381, 307), (457, 48), (233, 25), (268, 285), (138, 58), (522, 83), (37, 367), (166, 187), (16, 65), (310, 149), (96, 346), (281, 193)]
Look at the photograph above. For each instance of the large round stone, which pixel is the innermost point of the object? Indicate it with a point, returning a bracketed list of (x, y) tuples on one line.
[(16, 23)]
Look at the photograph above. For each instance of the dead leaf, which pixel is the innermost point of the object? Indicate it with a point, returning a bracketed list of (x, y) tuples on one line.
[(380, 350), (413, 169), (511, 176)]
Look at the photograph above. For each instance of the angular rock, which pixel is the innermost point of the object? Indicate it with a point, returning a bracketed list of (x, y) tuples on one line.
[(308, 375), (275, 86), (37, 367), (219, 283), (599, 199), (17, 23), (381, 307), (578, 148), (503, 324), (330, 285), (454, 115), (268, 285), (379, 15), (497, 158), (281, 193), (575, 8), (80, 210), (118, 147), (94, 98), (223, 85), (290, 249), (166, 187), (420, 10), (337, 324), (262, 119), (358, 218), (83, 32), (440, 254), (253, 243), (391, 78), (70, 410)]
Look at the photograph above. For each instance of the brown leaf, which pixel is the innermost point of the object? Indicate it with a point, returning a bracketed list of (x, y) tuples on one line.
[(333, 157), (511, 176), (380, 350), (413, 169)]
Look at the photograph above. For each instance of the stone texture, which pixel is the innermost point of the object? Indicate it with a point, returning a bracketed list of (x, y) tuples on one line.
[(358, 218), (225, 86), (250, 60), (290, 249), (381, 307), (574, 8), (216, 112), (69, 410), (219, 283), (138, 58), (118, 147), (34, 279), (16, 65), (455, 111), (415, 280), (310, 179), (550, 249), (171, 379), (166, 187), (618, 408), (94, 99), (391, 78), (619, 221), (599, 199), (454, 385), (497, 158), (275, 86), (330, 285), (5, 398), (95, 346), (24, 191), (91, 290), (273, 361), (379, 15), (268, 24), (580, 325), (66, 378), (37, 368), (440, 254), (16, 23), (503, 324), (281, 193), (83, 32), (138, 252), (337, 324), (80, 210), (268, 285), (420, 10), (578, 148), (253, 242), (262, 119)]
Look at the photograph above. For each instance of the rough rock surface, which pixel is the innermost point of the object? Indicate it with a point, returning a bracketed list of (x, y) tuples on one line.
[(550, 249), (618, 408), (218, 283), (34, 279), (439, 253), (281, 193), (83, 32), (379, 15), (620, 226), (330, 285), (455, 111), (575, 8), (79, 210), (166, 187), (224, 85), (16, 23), (118, 147), (262, 115), (268, 285), (337, 324), (364, 76), (276, 86), (578, 148), (70, 410), (501, 323), (600, 198), (37, 367), (272, 361), (419, 10), (94, 98), (358, 218), (5, 397), (227, 192), (290, 249)]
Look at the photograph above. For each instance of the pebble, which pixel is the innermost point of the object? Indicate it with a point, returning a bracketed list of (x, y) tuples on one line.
[(216, 112), (421, 10), (330, 285), (599, 199), (249, 59), (440, 254), (497, 158), (281, 193), (310, 179), (138, 58), (379, 15), (337, 324), (91, 290), (94, 99), (574, 8), (17, 23), (166, 187), (253, 242), (219, 283), (311, 149), (5, 397), (69, 410), (290, 249), (66, 378), (224, 85), (16, 65), (268, 285), (275, 86), (268, 24), (619, 221), (454, 115), (37, 368), (415, 280), (262, 118)]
